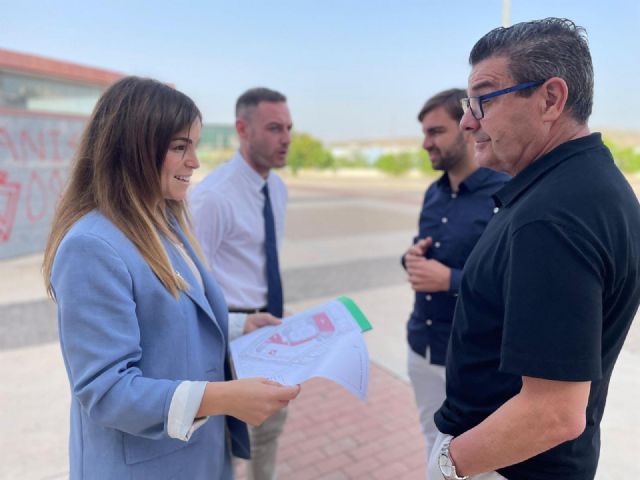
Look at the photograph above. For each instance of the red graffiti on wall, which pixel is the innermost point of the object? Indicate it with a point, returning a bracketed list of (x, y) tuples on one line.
[(9, 195), (28, 145), (35, 152), (55, 184), (40, 196), (36, 198)]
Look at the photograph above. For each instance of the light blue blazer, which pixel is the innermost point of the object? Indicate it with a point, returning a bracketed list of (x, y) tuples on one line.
[(127, 343)]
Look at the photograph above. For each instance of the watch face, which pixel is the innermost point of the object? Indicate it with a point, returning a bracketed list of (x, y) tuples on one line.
[(445, 465)]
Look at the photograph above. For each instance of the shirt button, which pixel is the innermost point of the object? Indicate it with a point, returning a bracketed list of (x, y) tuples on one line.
[(496, 210), (454, 195), (428, 297), (444, 220), (429, 322), (437, 244)]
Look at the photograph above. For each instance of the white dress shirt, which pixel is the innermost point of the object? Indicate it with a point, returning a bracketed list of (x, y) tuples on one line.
[(227, 212)]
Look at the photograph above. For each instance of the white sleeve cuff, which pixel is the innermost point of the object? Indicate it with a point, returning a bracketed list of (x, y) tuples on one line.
[(236, 325), (182, 411)]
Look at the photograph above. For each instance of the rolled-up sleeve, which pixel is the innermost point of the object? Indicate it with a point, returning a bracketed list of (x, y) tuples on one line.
[(185, 403)]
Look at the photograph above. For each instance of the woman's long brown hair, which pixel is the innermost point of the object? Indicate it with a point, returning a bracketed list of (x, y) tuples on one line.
[(117, 168)]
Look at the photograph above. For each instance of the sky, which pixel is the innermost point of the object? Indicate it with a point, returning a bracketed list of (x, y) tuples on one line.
[(351, 69)]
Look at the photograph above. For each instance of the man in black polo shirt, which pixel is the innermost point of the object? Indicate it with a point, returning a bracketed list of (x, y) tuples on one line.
[(455, 211), (549, 293)]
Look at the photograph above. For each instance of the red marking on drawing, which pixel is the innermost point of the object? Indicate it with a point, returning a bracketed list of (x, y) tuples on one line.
[(9, 195), (277, 338), (323, 322), (322, 325)]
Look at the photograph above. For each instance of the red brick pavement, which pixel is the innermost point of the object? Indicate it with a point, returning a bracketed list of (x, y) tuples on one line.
[(330, 435)]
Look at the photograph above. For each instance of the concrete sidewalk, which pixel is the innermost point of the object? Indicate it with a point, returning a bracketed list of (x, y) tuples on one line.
[(330, 435)]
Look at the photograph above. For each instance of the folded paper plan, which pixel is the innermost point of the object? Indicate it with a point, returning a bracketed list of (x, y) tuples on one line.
[(322, 341)]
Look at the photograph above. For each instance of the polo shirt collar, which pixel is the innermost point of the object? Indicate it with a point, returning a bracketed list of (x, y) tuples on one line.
[(254, 178), (527, 177)]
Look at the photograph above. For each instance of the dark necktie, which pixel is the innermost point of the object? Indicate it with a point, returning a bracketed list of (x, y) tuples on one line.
[(274, 284)]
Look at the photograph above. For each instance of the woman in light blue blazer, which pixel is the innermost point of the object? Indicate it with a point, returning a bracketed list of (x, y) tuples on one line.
[(142, 323)]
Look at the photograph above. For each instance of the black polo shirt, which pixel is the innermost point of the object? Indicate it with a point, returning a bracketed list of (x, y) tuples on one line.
[(549, 292)]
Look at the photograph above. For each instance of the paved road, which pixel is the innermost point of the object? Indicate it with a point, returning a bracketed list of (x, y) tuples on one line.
[(341, 238)]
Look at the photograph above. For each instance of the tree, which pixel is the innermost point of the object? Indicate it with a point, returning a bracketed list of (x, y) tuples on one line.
[(357, 161), (396, 165), (308, 152)]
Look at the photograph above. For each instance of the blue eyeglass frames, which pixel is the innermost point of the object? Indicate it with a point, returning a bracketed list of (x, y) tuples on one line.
[(475, 103)]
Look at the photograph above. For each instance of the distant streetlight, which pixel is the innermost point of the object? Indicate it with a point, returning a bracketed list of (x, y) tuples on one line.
[(506, 13)]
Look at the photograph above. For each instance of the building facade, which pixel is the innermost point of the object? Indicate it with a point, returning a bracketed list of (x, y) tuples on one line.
[(44, 105)]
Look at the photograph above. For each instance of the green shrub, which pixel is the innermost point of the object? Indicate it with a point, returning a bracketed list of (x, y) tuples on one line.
[(424, 164), (306, 151), (396, 165), (626, 158)]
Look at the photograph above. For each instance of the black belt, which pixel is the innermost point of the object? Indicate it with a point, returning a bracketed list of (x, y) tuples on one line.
[(248, 311)]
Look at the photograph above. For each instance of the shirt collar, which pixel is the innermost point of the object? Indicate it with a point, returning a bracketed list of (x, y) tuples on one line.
[(476, 179), (471, 183), (253, 177), (527, 177), (443, 182)]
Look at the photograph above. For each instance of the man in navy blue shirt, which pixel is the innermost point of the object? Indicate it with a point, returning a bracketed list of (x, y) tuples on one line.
[(550, 290), (455, 211)]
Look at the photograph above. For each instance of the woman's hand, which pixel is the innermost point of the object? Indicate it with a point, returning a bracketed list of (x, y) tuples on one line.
[(251, 400)]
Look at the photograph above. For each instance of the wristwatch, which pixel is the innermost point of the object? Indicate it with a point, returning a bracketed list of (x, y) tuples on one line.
[(447, 468)]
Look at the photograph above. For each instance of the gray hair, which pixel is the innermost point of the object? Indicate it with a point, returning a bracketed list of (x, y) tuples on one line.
[(541, 49), (252, 97)]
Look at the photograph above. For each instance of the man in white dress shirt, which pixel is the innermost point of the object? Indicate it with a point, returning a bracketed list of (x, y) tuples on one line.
[(229, 209)]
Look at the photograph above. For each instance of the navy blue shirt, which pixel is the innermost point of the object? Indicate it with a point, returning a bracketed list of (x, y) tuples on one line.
[(549, 292), (455, 221)]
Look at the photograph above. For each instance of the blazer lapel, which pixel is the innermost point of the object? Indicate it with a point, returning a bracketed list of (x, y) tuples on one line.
[(211, 300), (193, 292)]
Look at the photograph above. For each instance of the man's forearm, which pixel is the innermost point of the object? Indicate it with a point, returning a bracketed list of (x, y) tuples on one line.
[(523, 427)]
